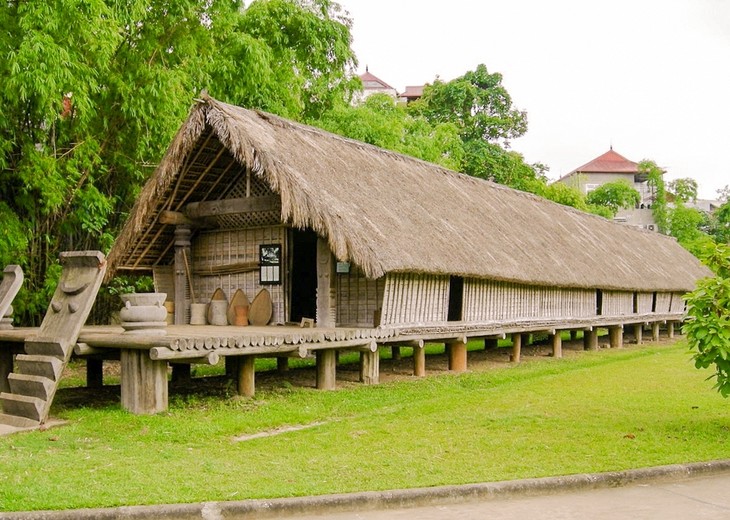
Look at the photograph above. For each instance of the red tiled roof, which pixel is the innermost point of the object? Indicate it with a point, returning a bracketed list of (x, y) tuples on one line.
[(413, 91), (370, 81), (609, 162)]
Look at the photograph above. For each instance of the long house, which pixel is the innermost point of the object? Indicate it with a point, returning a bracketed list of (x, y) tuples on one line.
[(351, 236), (373, 248)]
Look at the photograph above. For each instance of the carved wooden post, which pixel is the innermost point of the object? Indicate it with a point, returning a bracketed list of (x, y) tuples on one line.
[(590, 339), (639, 333), (370, 367), (616, 336), (326, 369), (181, 372), (419, 361), (457, 355), (557, 342), (247, 376), (516, 347), (144, 382), (326, 309), (655, 331)]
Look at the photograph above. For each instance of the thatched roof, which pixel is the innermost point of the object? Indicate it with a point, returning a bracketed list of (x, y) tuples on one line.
[(387, 212)]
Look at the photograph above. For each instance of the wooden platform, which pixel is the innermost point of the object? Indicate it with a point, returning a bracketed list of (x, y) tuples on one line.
[(145, 358)]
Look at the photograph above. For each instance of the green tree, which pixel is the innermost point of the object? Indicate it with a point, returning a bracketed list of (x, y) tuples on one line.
[(708, 319), (614, 196), (380, 121), (684, 189), (93, 91), (482, 110)]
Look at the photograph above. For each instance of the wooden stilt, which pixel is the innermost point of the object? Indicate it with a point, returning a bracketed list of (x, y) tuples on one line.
[(419, 361), (590, 339), (670, 329), (639, 333), (557, 342), (655, 331), (370, 367), (282, 364), (616, 336), (247, 376), (490, 343), (6, 368), (395, 353), (516, 348), (181, 373), (94, 373), (326, 369), (144, 382), (457, 356)]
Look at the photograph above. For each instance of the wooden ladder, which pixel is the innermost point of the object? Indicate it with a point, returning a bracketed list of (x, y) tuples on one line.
[(39, 369)]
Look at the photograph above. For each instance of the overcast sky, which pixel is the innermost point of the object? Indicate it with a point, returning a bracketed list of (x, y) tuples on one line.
[(650, 77)]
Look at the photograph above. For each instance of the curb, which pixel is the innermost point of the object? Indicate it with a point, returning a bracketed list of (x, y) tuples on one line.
[(394, 499)]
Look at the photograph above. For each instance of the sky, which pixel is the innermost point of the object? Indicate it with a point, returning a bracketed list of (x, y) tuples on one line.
[(649, 77)]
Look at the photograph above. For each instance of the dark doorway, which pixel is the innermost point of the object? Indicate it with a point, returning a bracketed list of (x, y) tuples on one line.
[(456, 298), (303, 275), (599, 302)]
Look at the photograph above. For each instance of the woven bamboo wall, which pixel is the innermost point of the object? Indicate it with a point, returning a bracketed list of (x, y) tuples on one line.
[(358, 298), (488, 300), (617, 303), (415, 298), (663, 302), (213, 249), (644, 303)]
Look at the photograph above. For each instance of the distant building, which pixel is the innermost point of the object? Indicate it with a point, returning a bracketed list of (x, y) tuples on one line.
[(371, 84), (611, 167), (412, 93)]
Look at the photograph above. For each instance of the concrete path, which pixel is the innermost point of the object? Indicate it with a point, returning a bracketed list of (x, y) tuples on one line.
[(695, 498), (682, 491)]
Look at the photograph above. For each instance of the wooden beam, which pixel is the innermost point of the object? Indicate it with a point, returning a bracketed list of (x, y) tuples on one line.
[(516, 347), (419, 361), (215, 208), (326, 370), (370, 367), (457, 356), (616, 336), (639, 333), (175, 218), (143, 382), (557, 342), (247, 376)]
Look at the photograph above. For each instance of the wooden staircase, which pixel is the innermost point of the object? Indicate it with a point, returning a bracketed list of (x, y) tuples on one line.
[(39, 369)]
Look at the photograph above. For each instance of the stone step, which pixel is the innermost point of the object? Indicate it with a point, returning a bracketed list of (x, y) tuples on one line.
[(40, 347), (30, 385), (23, 406), (17, 422), (45, 366)]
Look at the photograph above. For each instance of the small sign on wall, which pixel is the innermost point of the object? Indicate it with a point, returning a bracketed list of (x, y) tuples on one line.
[(270, 264), (343, 267)]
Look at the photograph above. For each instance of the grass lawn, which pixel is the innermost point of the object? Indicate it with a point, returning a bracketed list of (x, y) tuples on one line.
[(593, 411)]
